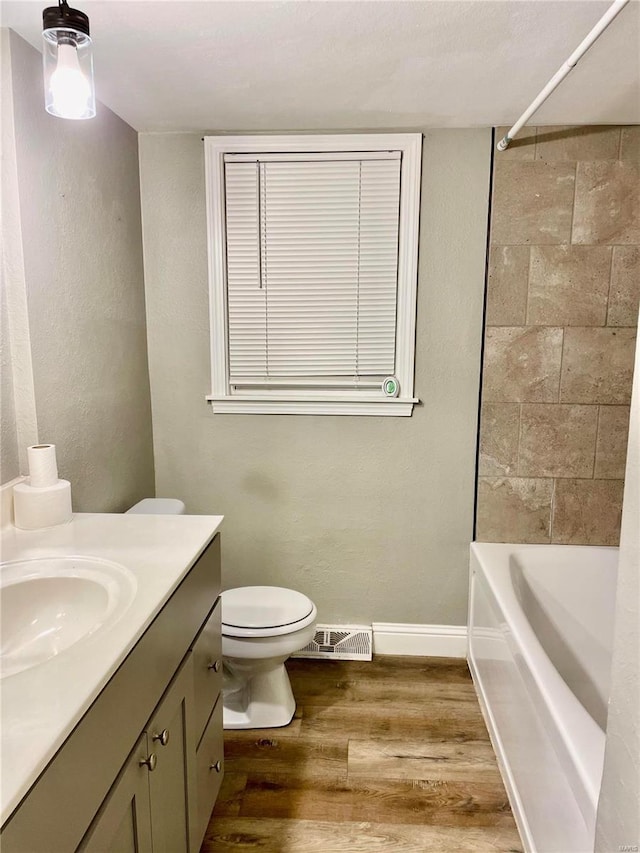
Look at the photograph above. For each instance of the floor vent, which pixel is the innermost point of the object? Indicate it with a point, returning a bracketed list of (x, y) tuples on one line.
[(340, 642)]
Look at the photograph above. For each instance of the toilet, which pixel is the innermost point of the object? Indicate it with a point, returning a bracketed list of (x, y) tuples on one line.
[(158, 506), (261, 627)]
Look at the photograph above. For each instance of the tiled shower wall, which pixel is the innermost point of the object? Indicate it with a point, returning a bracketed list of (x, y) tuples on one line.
[(562, 309)]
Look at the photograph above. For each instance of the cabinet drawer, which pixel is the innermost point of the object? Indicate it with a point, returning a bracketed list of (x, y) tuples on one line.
[(210, 768), (207, 661)]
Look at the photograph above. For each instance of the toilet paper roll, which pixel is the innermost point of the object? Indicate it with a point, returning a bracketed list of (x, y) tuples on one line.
[(34, 508), (43, 468)]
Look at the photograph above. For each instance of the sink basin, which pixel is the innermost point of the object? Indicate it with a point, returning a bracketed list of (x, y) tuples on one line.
[(48, 605)]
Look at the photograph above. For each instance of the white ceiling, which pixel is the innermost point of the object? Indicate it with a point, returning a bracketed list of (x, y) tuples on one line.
[(352, 64)]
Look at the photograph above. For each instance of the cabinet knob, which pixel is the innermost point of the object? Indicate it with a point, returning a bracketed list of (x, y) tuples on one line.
[(163, 737), (217, 767), (149, 762), (215, 666)]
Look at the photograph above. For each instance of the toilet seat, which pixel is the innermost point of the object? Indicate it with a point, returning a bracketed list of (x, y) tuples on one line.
[(265, 611)]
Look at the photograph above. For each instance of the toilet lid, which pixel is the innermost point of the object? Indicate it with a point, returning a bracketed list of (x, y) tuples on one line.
[(263, 607)]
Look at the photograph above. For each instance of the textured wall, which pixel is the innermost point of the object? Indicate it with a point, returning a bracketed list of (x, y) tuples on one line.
[(562, 307), (9, 461), (618, 821), (372, 517), (81, 237), (18, 426)]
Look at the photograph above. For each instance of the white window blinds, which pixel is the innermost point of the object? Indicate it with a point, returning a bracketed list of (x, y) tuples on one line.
[(312, 257)]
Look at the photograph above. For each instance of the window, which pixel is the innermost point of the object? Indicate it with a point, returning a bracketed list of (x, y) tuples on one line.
[(313, 267)]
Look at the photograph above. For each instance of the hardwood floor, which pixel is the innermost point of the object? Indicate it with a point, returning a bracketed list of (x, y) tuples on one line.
[(390, 756)]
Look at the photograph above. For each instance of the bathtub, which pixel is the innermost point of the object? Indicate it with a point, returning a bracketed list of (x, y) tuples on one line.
[(540, 637)]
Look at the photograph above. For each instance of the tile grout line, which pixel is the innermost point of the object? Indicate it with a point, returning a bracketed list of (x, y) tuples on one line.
[(519, 440), (553, 510), (606, 319), (559, 400), (573, 205), (527, 325), (595, 448), (554, 326), (620, 142), (526, 309), (573, 213), (590, 479)]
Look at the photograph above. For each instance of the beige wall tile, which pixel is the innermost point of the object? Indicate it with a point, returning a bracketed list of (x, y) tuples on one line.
[(587, 512), (568, 285), (499, 428), (532, 203), (597, 365), (562, 303), (507, 285), (522, 364), (624, 295), (630, 143), (578, 143), (523, 146), (611, 447), (607, 206), (557, 440), (514, 509)]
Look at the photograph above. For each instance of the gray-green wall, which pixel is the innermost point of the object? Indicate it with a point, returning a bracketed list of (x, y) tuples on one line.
[(371, 517), (80, 278)]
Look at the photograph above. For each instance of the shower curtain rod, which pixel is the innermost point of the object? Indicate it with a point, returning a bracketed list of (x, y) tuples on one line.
[(562, 72)]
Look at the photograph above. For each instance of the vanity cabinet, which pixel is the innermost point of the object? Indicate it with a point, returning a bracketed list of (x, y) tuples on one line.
[(141, 770), (159, 771)]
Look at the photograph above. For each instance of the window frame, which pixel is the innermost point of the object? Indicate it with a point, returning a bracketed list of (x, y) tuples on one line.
[(302, 401)]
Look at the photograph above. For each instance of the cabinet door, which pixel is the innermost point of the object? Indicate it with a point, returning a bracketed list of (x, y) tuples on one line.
[(172, 788), (123, 824)]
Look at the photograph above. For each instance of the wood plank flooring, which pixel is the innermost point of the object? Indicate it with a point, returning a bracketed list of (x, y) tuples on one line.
[(390, 756)]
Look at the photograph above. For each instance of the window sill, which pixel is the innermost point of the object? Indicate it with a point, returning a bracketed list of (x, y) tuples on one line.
[(319, 405)]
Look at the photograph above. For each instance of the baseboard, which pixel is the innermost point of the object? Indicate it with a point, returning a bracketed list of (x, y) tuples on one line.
[(448, 641)]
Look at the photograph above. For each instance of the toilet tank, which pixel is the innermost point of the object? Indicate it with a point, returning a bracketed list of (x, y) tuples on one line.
[(159, 506)]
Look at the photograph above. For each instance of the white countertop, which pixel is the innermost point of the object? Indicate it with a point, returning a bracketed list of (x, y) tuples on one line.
[(41, 705)]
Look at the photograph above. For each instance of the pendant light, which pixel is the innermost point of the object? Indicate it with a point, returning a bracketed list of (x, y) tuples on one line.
[(68, 63)]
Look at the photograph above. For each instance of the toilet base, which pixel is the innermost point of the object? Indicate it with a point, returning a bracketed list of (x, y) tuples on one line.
[(263, 701)]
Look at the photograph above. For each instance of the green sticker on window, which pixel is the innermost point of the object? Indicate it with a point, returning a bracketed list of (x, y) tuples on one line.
[(390, 386)]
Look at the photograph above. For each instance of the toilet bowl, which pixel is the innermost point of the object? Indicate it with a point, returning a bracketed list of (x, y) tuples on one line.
[(261, 627)]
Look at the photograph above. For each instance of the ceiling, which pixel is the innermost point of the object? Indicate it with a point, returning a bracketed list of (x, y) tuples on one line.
[(352, 64)]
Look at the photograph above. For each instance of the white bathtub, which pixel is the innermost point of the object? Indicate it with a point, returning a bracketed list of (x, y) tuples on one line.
[(540, 637)]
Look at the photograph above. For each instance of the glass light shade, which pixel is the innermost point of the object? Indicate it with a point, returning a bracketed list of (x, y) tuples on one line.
[(68, 73)]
